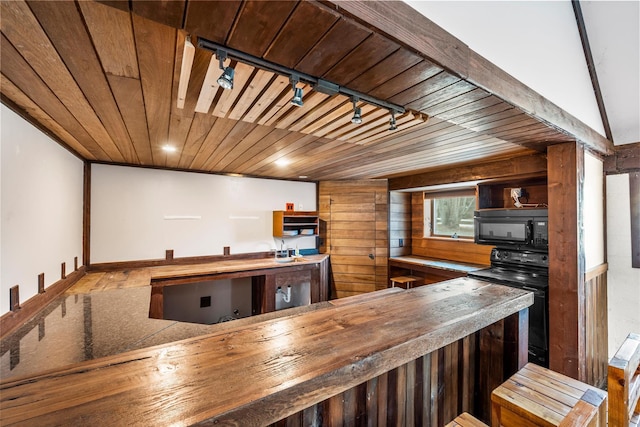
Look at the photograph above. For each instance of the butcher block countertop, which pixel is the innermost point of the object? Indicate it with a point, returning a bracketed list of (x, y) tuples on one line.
[(259, 371)]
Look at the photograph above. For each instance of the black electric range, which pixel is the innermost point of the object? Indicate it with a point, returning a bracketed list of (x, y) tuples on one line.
[(530, 271)]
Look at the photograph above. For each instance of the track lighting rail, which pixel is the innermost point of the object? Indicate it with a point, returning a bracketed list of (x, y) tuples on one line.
[(318, 84)]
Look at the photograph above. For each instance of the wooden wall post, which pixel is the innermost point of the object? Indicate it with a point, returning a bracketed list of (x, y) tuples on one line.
[(86, 215), (634, 197), (567, 341)]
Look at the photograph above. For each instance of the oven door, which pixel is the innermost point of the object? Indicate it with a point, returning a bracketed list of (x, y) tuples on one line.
[(503, 231), (538, 312)]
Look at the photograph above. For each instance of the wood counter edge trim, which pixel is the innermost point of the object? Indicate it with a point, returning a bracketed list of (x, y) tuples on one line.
[(159, 278), (360, 370), (11, 320), (127, 265)]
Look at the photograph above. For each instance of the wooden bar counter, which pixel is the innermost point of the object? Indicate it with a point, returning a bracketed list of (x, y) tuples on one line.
[(377, 355)]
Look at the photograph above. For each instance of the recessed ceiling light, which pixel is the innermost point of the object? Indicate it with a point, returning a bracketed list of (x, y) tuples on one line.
[(282, 162), (169, 148), (303, 177)]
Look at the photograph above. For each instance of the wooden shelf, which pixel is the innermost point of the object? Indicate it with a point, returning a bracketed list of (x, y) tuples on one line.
[(497, 194), (295, 221)]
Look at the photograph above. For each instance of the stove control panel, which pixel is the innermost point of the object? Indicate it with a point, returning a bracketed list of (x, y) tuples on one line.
[(537, 259)]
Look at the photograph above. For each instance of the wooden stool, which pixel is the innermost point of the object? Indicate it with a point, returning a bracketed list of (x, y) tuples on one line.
[(623, 379), (466, 420), (407, 281), (536, 396)]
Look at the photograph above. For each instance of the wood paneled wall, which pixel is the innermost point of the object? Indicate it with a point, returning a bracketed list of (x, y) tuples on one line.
[(595, 291), (456, 250), (354, 219), (399, 223)]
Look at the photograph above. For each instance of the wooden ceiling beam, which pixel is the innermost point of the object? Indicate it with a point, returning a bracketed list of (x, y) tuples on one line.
[(525, 165), (442, 108), (402, 24)]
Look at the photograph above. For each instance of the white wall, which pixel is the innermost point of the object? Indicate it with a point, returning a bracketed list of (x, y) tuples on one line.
[(615, 54), (537, 42), (131, 210), (41, 210), (623, 281), (593, 213)]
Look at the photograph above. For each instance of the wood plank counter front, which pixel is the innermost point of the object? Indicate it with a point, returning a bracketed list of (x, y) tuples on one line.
[(258, 373)]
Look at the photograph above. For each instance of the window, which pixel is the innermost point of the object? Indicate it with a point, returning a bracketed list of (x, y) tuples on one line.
[(449, 213)]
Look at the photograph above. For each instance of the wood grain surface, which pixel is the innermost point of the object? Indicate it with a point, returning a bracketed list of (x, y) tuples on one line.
[(259, 374), (103, 77)]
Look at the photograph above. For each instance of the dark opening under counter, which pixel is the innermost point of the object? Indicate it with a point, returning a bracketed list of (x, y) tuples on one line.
[(465, 335)]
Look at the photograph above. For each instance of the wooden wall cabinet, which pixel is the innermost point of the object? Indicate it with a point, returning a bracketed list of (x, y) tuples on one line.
[(295, 223), (497, 194)]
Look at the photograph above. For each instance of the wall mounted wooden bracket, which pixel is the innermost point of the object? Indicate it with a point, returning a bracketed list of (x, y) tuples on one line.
[(41, 283), (14, 298)]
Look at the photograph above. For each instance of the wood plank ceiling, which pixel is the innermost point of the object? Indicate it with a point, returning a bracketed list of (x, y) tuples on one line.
[(103, 79)]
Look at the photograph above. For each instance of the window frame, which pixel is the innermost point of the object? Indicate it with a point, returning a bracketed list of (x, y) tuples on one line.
[(429, 225)]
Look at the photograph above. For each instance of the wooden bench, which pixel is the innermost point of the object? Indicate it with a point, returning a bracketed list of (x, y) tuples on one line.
[(466, 420), (624, 384), (536, 396), (404, 281)]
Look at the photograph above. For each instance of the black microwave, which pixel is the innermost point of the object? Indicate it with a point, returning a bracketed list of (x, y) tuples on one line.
[(522, 228)]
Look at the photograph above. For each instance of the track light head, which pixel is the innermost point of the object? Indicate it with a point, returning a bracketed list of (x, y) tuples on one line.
[(297, 91), (357, 116), (392, 121), (226, 79), (297, 97), (357, 113)]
